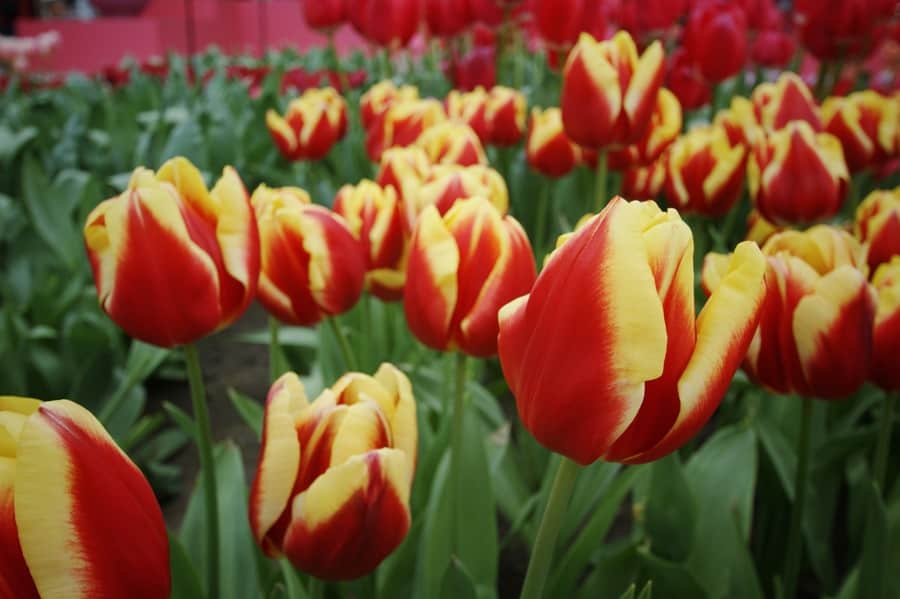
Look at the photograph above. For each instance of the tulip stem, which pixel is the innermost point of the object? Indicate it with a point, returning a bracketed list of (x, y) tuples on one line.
[(540, 229), (456, 441), (883, 446), (346, 351), (277, 361), (600, 181), (795, 536), (314, 588), (545, 543), (207, 467)]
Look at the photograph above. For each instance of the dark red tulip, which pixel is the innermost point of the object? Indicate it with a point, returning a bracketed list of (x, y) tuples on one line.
[(716, 39), (447, 18), (324, 14)]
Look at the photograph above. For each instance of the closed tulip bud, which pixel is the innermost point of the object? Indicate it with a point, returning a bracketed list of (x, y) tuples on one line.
[(686, 81), (446, 18), (324, 14), (452, 143), (815, 331), (704, 172), (402, 124), (312, 265), (608, 92), (375, 216), (841, 29), (788, 99), (644, 182), (886, 338), (462, 268), (559, 21), (652, 16), (446, 184), (332, 484), (505, 116), (716, 39), (867, 125), (470, 108), (201, 273), (773, 48), (489, 12), (797, 175), (405, 169), (616, 367), (388, 23), (314, 122), (664, 128), (878, 226), (375, 102), (77, 517), (759, 229), (739, 122), (548, 149)]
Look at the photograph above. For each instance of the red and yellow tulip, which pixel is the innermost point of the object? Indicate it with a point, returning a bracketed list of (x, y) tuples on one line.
[(886, 338), (867, 125), (605, 357), (405, 169), (77, 517), (452, 142), (548, 149), (448, 183), (462, 268), (331, 491), (878, 226), (644, 182), (201, 273), (664, 129), (787, 99), (312, 265), (506, 109), (314, 122), (375, 102), (402, 124), (470, 108)]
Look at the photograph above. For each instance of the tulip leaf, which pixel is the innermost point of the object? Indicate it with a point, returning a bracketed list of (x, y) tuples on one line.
[(671, 510), (186, 139), (615, 570), (671, 580), (458, 583), (874, 566), (250, 410), (185, 582), (437, 535), (54, 226), (292, 585), (647, 591), (181, 418)]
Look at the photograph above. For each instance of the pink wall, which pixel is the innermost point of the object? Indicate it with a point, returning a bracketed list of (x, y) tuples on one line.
[(233, 25)]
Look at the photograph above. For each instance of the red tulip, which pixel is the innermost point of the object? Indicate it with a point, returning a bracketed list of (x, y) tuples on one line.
[(878, 226), (664, 128), (324, 14), (471, 109), (375, 102), (841, 29), (505, 116), (716, 39), (644, 182), (447, 184), (446, 18), (402, 124), (886, 338), (477, 68), (388, 23)]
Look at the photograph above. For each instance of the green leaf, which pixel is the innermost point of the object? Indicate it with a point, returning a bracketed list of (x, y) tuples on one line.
[(52, 224), (181, 418), (672, 581), (250, 410), (616, 568), (671, 510), (437, 535), (293, 587), (458, 583), (874, 566), (11, 143), (304, 337), (185, 582), (647, 591), (186, 140)]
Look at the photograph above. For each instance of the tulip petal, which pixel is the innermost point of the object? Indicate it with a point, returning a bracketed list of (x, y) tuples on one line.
[(88, 521), (284, 136), (641, 96), (15, 579), (403, 415), (886, 343)]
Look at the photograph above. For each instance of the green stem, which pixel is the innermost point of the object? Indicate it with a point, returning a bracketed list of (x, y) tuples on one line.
[(883, 445), (795, 535), (387, 68), (540, 231), (456, 439), (545, 543), (207, 467), (346, 351), (315, 588), (600, 198), (276, 354)]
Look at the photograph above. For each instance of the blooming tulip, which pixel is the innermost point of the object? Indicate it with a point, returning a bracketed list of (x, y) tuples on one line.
[(797, 176), (314, 122), (773, 48), (867, 125), (548, 149), (470, 108), (332, 485), (686, 81), (604, 356), (201, 273), (402, 124), (375, 216), (665, 126), (405, 169), (644, 182), (473, 69), (739, 122), (312, 266), (324, 14), (608, 93), (448, 183), (375, 102), (462, 268), (452, 143), (704, 172), (388, 23), (788, 99), (716, 38), (446, 18), (878, 226), (886, 338), (77, 517), (505, 116), (815, 332)]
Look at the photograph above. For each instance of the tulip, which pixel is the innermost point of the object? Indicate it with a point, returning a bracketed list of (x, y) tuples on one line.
[(878, 226), (446, 184), (314, 122), (505, 116), (405, 169), (452, 143), (644, 182), (201, 273), (841, 29), (462, 268), (815, 332), (447, 18), (797, 175), (561, 21), (376, 218), (324, 14), (608, 93), (739, 122), (77, 517), (490, 12), (773, 48), (759, 229), (886, 338), (470, 108), (332, 484), (867, 125), (402, 124), (704, 172), (686, 82), (476, 68), (788, 99), (312, 265), (548, 149), (375, 102), (716, 39), (615, 366), (664, 128), (648, 17), (388, 23)]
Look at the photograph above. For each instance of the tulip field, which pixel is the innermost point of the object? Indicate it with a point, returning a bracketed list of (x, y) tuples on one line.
[(529, 299)]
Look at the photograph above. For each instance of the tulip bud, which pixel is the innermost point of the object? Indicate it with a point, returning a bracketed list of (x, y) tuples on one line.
[(739, 122), (616, 366), (446, 184), (402, 124), (470, 108), (644, 182), (375, 102), (202, 272), (815, 332), (608, 94), (375, 217), (716, 39), (878, 226), (450, 142), (476, 68), (314, 122), (332, 484), (505, 116), (886, 338), (773, 48), (705, 173), (797, 175), (788, 99), (406, 170), (664, 128), (77, 517), (686, 81), (558, 21), (312, 265), (867, 125), (548, 149), (446, 18), (462, 268), (841, 29), (324, 14)]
